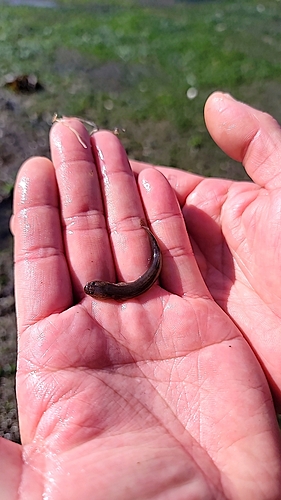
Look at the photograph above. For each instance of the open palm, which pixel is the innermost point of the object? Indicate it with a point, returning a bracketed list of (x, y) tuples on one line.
[(157, 397), (235, 227)]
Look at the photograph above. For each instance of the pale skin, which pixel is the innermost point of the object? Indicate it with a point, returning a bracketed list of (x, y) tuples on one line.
[(157, 398)]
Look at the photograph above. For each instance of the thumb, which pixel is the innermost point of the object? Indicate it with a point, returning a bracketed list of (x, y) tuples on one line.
[(246, 135)]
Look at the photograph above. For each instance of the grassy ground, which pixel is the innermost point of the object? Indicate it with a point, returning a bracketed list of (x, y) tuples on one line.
[(133, 67), (128, 64)]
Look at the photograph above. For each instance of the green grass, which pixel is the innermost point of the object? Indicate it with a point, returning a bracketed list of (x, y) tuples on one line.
[(132, 66)]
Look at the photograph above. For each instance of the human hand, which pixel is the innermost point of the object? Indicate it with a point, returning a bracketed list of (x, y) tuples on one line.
[(157, 397), (235, 227)]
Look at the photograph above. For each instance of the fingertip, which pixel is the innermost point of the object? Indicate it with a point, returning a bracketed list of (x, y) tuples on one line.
[(33, 166), (231, 123), (218, 96), (217, 103), (34, 160), (150, 177), (34, 173), (69, 139), (111, 159), (107, 147), (158, 196)]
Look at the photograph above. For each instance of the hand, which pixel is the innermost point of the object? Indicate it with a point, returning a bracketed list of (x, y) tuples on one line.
[(235, 227), (158, 397)]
